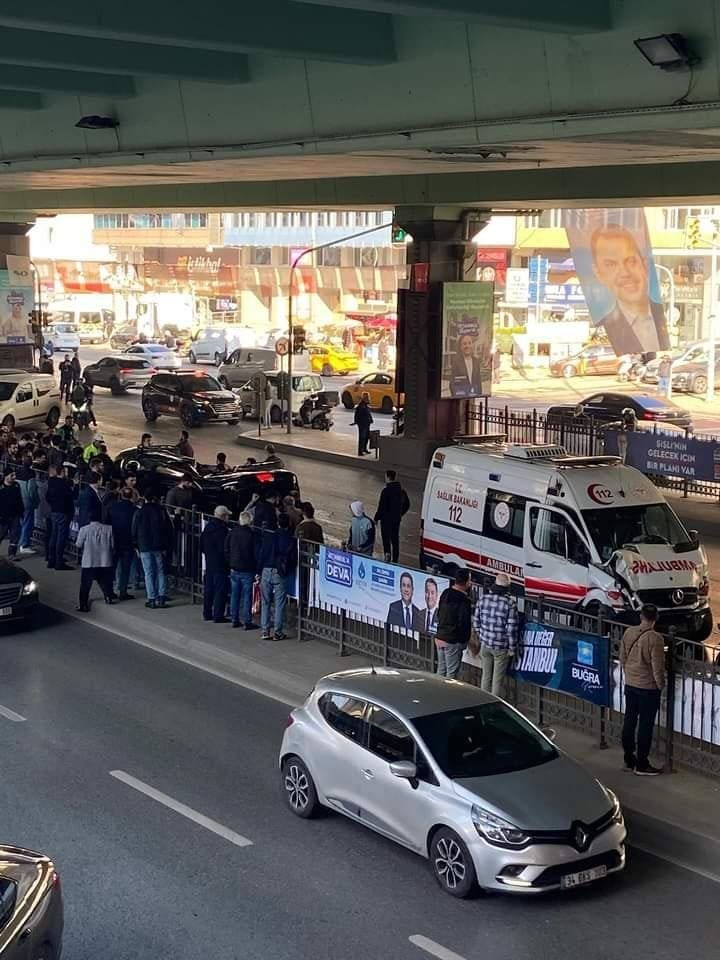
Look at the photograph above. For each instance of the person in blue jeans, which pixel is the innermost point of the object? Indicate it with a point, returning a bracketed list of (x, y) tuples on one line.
[(121, 513), (152, 538), (240, 554), (278, 558), (215, 581)]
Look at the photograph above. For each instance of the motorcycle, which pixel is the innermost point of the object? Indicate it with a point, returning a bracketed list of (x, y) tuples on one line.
[(314, 414), (80, 414), (630, 369), (398, 426)]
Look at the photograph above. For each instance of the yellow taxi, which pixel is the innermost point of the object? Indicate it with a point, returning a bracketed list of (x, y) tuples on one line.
[(331, 361), (381, 388)]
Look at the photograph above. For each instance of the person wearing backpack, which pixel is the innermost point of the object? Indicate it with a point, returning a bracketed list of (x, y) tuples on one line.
[(362, 530), (642, 657), (392, 506)]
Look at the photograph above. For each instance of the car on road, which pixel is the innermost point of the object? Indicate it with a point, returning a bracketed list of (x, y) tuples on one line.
[(18, 594), (119, 374), (692, 376), (193, 395), (330, 361), (64, 337), (381, 388), (27, 399), (162, 467), (454, 774), (160, 356), (31, 906), (596, 359), (214, 344), (608, 407)]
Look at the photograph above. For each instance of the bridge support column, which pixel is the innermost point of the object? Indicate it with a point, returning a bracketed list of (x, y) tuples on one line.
[(441, 251)]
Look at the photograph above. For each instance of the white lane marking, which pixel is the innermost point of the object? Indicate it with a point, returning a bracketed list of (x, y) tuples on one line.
[(11, 715), (435, 949), (212, 825)]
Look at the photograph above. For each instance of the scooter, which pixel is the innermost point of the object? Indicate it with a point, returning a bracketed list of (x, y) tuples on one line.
[(314, 414)]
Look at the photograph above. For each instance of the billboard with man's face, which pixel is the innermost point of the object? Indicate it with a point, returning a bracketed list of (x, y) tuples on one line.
[(615, 266), (467, 332)]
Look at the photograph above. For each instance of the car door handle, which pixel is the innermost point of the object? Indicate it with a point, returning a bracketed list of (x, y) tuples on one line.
[(539, 565), (368, 774)]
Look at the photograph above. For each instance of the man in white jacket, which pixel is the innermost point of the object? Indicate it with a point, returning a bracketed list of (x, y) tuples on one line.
[(95, 540)]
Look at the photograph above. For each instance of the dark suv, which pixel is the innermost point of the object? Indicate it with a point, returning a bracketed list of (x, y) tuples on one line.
[(193, 395)]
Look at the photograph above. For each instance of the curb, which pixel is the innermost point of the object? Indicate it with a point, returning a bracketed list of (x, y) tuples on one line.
[(310, 453)]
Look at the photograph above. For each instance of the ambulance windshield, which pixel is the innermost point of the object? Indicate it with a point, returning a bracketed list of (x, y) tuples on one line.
[(653, 523)]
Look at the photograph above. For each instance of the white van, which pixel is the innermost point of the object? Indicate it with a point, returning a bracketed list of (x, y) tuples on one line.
[(587, 532), (27, 399), (64, 337), (93, 321), (214, 344)]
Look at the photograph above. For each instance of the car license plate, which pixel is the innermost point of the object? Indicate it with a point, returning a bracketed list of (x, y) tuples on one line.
[(5, 611), (584, 876)]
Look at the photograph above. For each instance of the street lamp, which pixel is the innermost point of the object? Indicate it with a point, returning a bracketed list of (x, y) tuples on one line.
[(671, 310)]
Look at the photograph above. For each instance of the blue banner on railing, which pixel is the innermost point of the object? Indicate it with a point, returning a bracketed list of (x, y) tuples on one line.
[(666, 454), (567, 660)]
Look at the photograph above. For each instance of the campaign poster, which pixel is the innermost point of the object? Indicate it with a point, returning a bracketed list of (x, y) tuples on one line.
[(666, 454), (568, 660), (614, 262), (467, 339), (372, 590), (17, 300)]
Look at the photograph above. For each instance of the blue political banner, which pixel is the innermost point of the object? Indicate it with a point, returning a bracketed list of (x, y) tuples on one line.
[(666, 454), (568, 660), (370, 589)]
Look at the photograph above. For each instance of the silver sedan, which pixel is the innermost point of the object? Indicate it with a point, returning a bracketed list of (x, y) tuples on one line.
[(454, 774)]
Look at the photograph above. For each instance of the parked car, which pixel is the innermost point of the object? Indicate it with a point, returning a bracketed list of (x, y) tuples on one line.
[(160, 356), (63, 336), (330, 361), (380, 386), (455, 775), (214, 344), (119, 374), (692, 352), (592, 360), (193, 395), (242, 365), (161, 466), (31, 906), (18, 595), (692, 377), (608, 408), (27, 399), (123, 337)]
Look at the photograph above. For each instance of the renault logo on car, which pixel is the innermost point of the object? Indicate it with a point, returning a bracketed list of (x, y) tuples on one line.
[(582, 837)]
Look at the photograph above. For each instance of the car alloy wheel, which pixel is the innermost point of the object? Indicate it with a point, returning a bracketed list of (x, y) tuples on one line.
[(218, 359), (149, 410), (699, 385), (53, 417), (347, 401), (452, 864), (387, 405), (569, 370), (9, 422), (187, 416), (300, 792)]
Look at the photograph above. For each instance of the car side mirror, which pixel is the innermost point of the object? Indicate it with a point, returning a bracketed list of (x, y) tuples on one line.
[(404, 770), (550, 733), (695, 536)]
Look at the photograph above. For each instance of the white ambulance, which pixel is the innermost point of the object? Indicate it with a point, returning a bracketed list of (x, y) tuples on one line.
[(588, 532)]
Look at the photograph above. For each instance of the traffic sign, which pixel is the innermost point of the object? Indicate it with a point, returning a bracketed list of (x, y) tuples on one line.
[(282, 345)]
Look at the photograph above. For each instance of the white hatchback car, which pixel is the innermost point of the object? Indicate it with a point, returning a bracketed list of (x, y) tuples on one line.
[(454, 774), (160, 356)]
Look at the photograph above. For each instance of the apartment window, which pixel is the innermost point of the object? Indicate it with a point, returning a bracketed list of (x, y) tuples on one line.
[(366, 256), (304, 219), (282, 255), (260, 256), (379, 218), (321, 218), (330, 257), (285, 218)]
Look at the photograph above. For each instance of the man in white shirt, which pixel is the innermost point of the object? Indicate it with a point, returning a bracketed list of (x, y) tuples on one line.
[(426, 620)]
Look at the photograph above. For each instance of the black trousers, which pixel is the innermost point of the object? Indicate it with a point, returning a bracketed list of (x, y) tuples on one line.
[(390, 533), (88, 575), (641, 707), (363, 439)]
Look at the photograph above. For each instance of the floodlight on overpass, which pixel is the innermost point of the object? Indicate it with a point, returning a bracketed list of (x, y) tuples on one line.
[(669, 51)]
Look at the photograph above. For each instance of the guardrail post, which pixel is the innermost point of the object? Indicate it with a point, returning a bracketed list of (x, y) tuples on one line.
[(670, 701), (342, 652), (386, 644)]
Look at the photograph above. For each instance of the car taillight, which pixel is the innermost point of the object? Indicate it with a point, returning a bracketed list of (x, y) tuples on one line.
[(56, 880), (152, 370), (265, 477), (613, 594), (126, 371)]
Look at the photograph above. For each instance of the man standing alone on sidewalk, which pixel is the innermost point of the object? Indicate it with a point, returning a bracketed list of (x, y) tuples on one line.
[(393, 504), (363, 420), (642, 657), (215, 583), (496, 626), (454, 625)]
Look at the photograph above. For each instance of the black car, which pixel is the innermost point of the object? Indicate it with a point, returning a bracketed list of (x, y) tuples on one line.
[(18, 593), (603, 408), (162, 468), (193, 395), (31, 906), (119, 374)]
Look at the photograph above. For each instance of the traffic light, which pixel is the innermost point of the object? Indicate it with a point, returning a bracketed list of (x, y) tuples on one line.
[(298, 339), (398, 235), (693, 233)]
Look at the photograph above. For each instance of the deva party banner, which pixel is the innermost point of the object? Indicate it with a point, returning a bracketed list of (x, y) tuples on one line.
[(615, 266), (568, 660), (369, 589), (666, 454)]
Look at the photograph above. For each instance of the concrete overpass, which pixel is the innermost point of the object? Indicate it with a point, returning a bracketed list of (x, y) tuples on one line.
[(344, 102)]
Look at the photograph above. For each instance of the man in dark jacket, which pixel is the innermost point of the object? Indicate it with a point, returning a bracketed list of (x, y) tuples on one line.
[(212, 544), (11, 512), (394, 503), (90, 500), (61, 501), (278, 558), (66, 379), (454, 625), (75, 367), (240, 554), (152, 535), (121, 513), (362, 420)]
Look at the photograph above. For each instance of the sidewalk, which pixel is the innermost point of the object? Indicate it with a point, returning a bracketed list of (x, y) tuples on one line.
[(328, 447), (674, 816)]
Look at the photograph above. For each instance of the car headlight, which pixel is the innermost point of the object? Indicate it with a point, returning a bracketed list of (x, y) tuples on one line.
[(29, 589), (496, 830), (616, 808)]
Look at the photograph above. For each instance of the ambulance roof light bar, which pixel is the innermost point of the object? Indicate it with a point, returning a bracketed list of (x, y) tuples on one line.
[(472, 439), (536, 451), (569, 461)]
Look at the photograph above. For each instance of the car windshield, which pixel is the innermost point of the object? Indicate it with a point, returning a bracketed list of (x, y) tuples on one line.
[(199, 381), (611, 527), (655, 403), (156, 348), (64, 328), (483, 741), (7, 390)]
